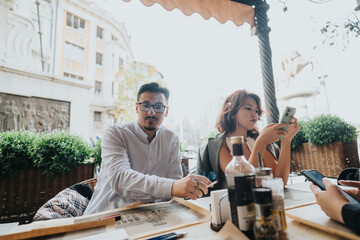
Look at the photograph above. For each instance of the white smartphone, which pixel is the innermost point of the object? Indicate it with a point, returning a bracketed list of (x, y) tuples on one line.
[(288, 114)]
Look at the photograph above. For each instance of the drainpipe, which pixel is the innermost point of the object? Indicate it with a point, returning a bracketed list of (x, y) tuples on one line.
[(55, 35), (40, 35)]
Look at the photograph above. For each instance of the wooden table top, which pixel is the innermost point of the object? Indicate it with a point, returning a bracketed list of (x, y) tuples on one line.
[(298, 197)]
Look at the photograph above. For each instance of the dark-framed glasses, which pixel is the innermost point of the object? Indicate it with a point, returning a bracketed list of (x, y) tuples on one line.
[(158, 108)]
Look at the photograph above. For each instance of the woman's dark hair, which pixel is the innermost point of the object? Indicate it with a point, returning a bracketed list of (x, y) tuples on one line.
[(226, 122), (155, 88)]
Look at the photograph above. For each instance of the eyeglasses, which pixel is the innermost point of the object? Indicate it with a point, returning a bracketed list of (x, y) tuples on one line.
[(158, 108)]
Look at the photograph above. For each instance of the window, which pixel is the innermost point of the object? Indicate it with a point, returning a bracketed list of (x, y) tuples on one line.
[(69, 19), (112, 62), (74, 52), (98, 86), (97, 116), (70, 75), (99, 58), (121, 63), (74, 58), (75, 22), (99, 32)]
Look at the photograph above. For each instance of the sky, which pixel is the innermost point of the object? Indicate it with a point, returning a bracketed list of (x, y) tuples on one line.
[(204, 58)]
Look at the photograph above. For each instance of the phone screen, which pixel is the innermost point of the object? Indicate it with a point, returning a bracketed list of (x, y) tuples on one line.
[(315, 177), (287, 117)]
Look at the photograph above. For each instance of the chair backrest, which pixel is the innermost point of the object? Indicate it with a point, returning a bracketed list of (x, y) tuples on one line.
[(91, 182)]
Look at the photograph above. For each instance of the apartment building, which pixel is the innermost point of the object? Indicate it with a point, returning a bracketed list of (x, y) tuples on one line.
[(61, 57)]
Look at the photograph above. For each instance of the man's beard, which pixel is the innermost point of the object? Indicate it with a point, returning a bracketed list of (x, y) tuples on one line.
[(150, 128)]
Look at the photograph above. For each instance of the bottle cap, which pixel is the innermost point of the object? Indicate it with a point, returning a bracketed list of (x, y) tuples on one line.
[(262, 195), (237, 140), (263, 171)]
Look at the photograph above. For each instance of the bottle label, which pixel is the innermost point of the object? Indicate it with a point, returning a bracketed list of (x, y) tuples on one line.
[(230, 179), (246, 217)]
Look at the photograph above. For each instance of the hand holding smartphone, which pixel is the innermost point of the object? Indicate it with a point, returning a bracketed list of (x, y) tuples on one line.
[(287, 116), (316, 177)]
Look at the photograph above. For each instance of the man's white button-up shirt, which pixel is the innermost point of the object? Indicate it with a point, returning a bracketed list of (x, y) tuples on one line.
[(132, 169)]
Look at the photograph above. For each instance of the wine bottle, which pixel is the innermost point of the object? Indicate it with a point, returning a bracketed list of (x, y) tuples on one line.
[(239, 166)]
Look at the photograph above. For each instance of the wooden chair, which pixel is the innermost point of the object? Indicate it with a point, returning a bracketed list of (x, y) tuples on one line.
[(91, 182)]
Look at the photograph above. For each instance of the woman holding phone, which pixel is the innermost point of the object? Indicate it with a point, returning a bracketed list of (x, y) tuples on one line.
[(239, 116)]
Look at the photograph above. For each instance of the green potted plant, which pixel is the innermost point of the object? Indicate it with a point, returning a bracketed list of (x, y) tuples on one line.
[(36, 166), (96, 155), (16, 152), (326, 143)]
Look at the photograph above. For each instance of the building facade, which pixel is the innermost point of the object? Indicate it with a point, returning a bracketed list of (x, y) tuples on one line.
[(60, 51)]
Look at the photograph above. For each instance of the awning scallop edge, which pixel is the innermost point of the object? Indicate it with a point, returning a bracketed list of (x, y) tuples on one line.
[(222, 10)]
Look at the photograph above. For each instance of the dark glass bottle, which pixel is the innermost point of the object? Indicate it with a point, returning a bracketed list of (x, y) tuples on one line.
[(238, 167), (264, 228), (245, 207)]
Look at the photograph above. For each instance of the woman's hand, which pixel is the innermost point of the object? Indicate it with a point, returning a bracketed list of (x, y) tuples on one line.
[(271, 133), (293, 129), (331, 201)]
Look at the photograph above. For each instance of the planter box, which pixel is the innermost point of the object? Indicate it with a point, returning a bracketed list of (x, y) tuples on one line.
[(23, 193), (328, 159)]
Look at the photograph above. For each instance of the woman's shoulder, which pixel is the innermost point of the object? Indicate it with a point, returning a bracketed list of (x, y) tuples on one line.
[(218, 137)]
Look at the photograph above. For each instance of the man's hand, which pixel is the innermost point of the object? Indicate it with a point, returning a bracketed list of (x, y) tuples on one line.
[(355, 192), (331, 201), (191, 186)]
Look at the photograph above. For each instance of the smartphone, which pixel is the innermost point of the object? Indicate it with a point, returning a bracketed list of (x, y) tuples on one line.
[(316, 177), (288, 114)]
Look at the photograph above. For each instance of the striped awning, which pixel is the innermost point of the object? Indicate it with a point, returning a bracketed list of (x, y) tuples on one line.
[(222, 10)]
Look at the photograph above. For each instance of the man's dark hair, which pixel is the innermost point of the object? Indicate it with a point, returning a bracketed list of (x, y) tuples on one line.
[(155, 88)]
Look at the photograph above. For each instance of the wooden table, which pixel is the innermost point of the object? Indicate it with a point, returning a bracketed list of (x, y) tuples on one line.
[(298, 196)]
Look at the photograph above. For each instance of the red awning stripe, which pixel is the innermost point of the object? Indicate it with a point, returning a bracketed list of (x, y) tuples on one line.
[(222, 10)]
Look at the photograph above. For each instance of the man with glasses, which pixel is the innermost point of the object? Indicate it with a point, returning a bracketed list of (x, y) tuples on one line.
[(141, 160)]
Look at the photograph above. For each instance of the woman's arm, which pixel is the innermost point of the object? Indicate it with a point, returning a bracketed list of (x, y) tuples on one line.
[(283, 166), (270, 134), (280, 168)]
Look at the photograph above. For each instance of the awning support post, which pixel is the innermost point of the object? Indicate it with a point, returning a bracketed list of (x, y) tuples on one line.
[(262, 31)]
